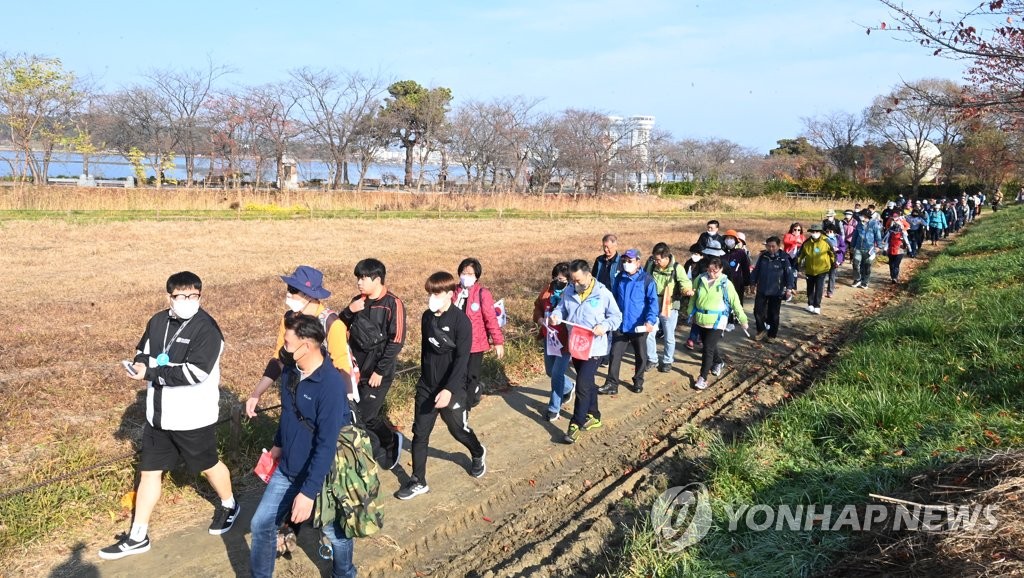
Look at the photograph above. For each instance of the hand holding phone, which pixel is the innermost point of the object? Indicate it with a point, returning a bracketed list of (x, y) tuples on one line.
[(129, 367)]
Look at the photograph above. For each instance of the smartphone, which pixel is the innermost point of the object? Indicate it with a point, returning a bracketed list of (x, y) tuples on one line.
[(129, 367)]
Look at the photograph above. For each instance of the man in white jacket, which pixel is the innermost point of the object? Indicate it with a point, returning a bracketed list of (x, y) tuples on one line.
[(179, 357)]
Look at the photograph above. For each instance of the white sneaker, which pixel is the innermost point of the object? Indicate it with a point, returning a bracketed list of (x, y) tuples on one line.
[(730, 327), (701, 384), (817, 310), (810, 309)]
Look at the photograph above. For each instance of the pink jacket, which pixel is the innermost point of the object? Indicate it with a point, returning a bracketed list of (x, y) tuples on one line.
[(479, 307)]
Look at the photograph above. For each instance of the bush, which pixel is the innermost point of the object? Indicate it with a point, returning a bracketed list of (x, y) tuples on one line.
[(674, 189)]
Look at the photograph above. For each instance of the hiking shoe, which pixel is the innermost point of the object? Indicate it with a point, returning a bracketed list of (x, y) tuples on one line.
[(412, 489), (664, 367), (608, 389), (592, 423), (552, 416), (479, 465), (650, 365), (224, 518), (125, 547), (398, 450), (716, 370), (701, 383), (572, 434), (568, 398), (689, 344)]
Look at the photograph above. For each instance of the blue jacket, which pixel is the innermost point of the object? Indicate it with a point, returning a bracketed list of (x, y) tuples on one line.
[(308, 445), (936, 219), (598, 309), (867, 236), (637, 298), (610, 267), (773, 274)]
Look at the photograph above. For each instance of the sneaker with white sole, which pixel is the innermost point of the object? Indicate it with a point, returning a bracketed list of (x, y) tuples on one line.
[(553, 415), (411, 490), (224, 518), (398, 449), (810, 308), (479, 465), (701, 383), (125, 547), (716, 370), (817, 310)]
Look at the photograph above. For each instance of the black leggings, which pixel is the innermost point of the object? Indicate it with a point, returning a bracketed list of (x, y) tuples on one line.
[(455, 416), (710, 357)]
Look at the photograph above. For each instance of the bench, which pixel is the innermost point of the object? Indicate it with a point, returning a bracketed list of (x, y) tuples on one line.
[(84, 181), (802, 195)]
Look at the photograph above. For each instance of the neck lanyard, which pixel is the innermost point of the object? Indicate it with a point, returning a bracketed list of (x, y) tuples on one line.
[(163, 358)]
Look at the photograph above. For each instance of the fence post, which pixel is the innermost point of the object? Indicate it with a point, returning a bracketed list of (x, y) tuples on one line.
[(235, 436)]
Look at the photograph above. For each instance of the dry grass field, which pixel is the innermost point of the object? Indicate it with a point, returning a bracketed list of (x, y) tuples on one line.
[(75, 297)]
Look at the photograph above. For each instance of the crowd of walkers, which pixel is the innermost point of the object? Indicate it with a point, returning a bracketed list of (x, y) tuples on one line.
[(336, 368)]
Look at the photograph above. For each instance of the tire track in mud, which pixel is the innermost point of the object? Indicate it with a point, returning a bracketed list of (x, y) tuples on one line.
[(561, 519)]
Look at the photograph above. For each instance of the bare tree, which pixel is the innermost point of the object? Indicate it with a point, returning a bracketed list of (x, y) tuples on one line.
[(138, 123), (911, 121), (542, 150), (589, 142), (369, 138), (837, 134), (272, 109), (332, 105), (186, 93)]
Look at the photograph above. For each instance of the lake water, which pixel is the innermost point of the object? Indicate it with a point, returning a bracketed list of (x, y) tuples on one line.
[(106, 166)]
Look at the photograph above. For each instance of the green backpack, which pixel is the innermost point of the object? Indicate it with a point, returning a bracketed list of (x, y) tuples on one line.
[(351, 491)]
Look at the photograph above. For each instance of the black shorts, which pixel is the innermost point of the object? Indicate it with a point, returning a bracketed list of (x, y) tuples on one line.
[(162, 449)]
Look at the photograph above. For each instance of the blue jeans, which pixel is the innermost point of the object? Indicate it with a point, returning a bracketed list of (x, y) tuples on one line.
[(274, 507), (668, 327), (561, 385)]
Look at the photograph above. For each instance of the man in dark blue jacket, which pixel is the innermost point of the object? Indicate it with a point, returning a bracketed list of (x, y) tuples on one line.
[(314, 407), (773, 276), (636, 294)]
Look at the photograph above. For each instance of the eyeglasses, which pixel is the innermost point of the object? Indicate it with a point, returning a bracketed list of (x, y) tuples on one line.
[(186, 296), (798, 230)]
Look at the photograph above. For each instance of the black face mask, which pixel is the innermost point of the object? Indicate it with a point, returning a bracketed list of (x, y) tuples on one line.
[(286, 357), (558, 285)]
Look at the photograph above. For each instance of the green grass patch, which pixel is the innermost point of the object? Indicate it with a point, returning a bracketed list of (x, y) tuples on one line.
[(926, 383)]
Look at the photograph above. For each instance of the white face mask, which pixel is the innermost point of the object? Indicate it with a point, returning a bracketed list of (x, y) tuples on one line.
[(295, 305), (629, 267), (467, 280), (815, 236), (695, 258), (436, 302), (730, 243), (184, 309)]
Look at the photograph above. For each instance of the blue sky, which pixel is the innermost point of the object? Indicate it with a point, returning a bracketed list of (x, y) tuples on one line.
[(742, 70)]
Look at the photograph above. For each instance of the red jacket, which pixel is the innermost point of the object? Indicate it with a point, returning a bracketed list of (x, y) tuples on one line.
[(541, 309), (479, 307)]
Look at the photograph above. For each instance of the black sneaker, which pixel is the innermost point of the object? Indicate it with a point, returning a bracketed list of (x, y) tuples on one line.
[(224, 518), (650, 365), (664, 368), (398, 449), (479, 465), (125, 547), (608, 389), (411, 490)]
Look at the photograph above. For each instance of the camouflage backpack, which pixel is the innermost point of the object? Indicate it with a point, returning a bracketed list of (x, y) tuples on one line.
[(351, 490)]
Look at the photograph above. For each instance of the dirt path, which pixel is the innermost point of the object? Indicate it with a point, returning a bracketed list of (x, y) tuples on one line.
[(543, 508)]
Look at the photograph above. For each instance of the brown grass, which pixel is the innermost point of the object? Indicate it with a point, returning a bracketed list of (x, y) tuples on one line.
[(77, 295), (59, 198)]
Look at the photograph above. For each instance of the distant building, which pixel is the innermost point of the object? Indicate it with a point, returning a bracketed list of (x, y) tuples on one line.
[(634, 133)]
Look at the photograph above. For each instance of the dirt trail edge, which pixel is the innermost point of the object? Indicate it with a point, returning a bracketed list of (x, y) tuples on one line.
[(543, 508)]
